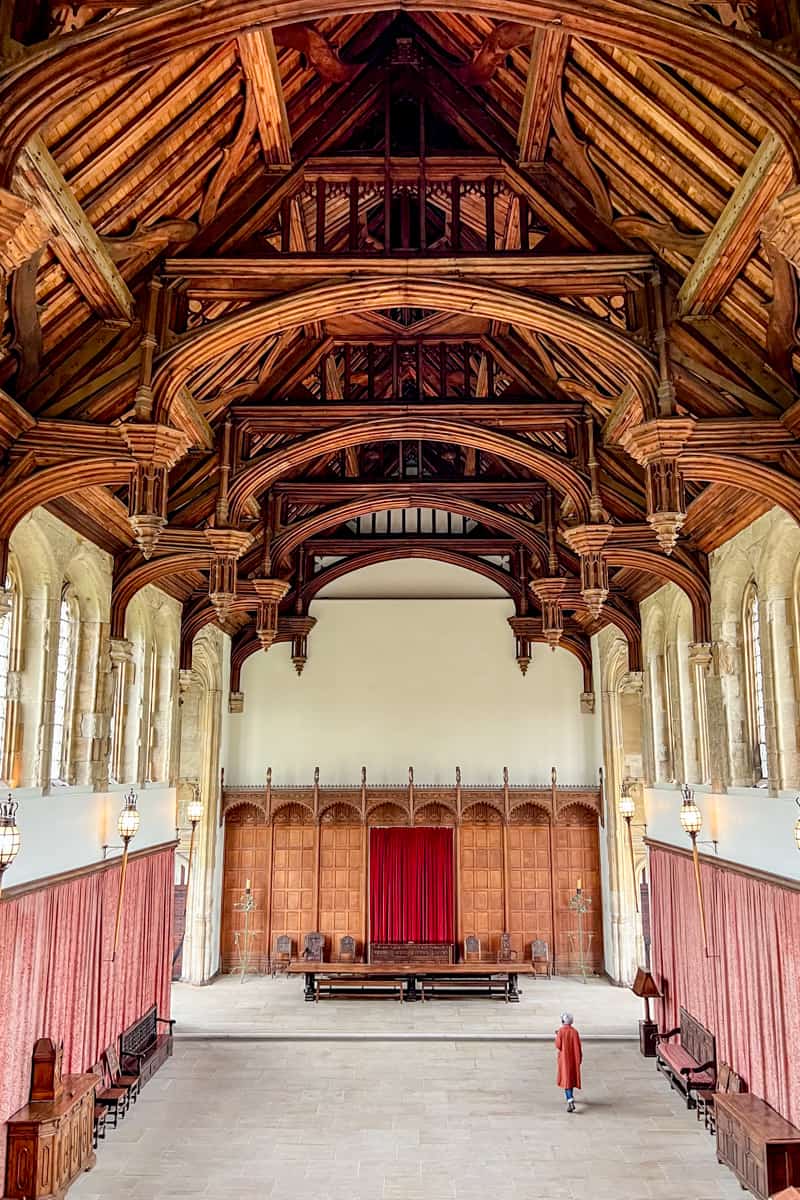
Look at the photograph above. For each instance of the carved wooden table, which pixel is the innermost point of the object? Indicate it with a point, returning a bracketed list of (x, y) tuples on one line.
[(50, 1142), (413, 974), (762, 1149)]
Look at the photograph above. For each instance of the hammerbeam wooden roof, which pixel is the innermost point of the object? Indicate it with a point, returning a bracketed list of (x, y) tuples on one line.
[(408, 262)]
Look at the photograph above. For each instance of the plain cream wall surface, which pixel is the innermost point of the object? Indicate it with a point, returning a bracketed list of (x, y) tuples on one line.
[(394, 683)]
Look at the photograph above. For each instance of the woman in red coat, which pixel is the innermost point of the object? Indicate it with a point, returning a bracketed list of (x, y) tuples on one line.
[(570, 1056)]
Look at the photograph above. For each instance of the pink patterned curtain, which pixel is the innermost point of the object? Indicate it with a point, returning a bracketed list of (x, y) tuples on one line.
[(747, 992), (57, 979)]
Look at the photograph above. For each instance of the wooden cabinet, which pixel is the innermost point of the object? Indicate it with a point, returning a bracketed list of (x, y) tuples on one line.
[(50, 1142), (757, 1144)]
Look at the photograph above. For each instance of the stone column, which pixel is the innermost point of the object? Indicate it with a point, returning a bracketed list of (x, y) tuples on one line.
[(700, 659), (121, 657)]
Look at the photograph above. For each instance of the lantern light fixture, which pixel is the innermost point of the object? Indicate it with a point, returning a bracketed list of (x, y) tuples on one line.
[(10, 840), (128, 827), (627, 810), (692, 822), (690, 815)]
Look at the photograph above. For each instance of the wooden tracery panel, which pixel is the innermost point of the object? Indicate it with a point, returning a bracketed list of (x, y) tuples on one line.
[(294, 868), (529, 887), (482, 883), (577, 848), (247, 839), (341, 884)]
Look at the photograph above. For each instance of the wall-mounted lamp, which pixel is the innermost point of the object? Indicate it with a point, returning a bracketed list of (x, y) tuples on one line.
[(194, 811), (10, 840), (692, 822), (627, 810), (127, 827)]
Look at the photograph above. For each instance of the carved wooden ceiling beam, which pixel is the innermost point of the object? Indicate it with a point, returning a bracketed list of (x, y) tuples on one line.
[(256, 477), (296, 534), (735, 235), (75, 242), (622, 354), (518, 414), (548, 54), (50, 78), (334, 491), (260, 65), (236, 278)]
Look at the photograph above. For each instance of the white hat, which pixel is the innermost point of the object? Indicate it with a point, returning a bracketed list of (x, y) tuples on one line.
[(566, 1018)]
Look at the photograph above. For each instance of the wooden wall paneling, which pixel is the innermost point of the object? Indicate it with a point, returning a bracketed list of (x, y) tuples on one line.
[(530, 899), (247, 838), (341, 885), (293, 870), (577, 856), (482, 883)]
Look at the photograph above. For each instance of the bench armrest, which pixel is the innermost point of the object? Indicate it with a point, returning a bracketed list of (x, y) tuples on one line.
[(132, 1056), (706, 1066), (166, 1021), (663, 1037)]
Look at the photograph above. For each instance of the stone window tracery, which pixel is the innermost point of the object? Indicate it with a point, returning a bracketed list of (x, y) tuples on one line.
[(7, 625), (64, 687), (754, 679)]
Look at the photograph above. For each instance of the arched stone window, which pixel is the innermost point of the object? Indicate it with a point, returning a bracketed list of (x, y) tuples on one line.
[(9, 623), (64, 687), (754, 680)]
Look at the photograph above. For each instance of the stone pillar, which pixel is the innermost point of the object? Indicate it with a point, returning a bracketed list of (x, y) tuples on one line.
[(121, 656), (700, 659), (720, 677)]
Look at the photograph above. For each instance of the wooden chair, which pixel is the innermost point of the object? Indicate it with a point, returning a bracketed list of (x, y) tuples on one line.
[(314, 947), (506, 953), (727, 1081), (540, 957), (99, 1125), (472, 948), (131, 1080), (347, 949), (113, 1099), (284, 948)]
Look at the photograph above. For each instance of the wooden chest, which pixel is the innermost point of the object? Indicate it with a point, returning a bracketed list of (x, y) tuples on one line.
[(757, 1144), (411, 953), (50, 1142)]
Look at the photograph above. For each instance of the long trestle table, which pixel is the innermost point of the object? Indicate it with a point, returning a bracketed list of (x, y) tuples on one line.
[(456, 978)]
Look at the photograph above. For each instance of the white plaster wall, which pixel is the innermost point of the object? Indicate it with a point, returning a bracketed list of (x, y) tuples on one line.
[(67, 828), (751, 827), (392, 683)]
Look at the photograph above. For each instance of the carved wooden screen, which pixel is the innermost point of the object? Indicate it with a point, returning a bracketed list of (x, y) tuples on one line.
[(577, 857), (341, 885), (529, 891), (293, 870), (246, 857), (482, 884)]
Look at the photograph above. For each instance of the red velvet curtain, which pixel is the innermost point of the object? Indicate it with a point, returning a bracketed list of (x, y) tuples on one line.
[(747, 992), (57, 979), (411, 885)]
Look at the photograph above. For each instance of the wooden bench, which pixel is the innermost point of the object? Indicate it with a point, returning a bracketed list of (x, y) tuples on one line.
[(142, 1048), (357, 987), (466, 986), (691, 1063)]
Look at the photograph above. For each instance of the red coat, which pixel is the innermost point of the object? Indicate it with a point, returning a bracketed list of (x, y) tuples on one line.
[(570, 1057)]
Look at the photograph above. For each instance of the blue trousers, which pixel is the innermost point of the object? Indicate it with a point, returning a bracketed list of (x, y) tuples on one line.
[(568, 1093)]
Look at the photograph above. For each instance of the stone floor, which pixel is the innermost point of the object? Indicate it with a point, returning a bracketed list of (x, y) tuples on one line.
[(265, 1007), (444, 1120)]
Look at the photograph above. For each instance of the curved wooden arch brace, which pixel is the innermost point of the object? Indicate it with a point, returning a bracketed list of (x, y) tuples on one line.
[(51, 482), (673, 571), (152, 571), (746, 474), (582, 650), (631, 631), (54, 76), (257, 477), (626, 359), (369, 559), (301, 531)]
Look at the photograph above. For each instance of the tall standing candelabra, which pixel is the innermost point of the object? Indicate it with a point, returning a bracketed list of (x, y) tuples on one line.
[(580, 905), (243, 938)]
